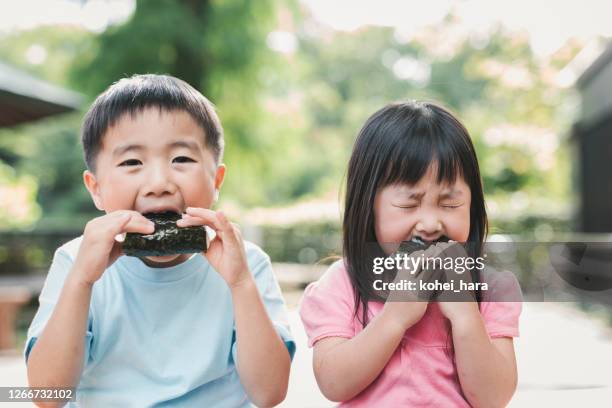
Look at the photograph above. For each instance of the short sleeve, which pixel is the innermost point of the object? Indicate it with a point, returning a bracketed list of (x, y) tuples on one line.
[(327, 307), (60, 267), (502, 307), (270, 293)]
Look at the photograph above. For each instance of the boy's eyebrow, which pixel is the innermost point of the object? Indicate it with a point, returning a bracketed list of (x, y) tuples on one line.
[(185, 143), (119, 150)]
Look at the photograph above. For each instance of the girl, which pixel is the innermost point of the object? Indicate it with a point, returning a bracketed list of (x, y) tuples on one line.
[(413, 173)]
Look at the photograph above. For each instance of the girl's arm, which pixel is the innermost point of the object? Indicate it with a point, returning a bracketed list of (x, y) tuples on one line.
[(486, 367), (345, 367)]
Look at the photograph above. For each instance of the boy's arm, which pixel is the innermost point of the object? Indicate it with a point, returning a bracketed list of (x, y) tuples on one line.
[(56, 359), (263, 361)]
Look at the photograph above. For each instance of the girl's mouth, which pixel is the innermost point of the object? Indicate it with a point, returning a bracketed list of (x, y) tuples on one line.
[(417, 239), (417, 243)]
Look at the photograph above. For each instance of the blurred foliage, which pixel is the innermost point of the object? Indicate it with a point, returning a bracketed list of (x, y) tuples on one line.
[(217, 47), (291, 117)]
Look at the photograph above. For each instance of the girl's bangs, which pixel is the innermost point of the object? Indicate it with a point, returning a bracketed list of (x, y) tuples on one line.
[(412, 157)]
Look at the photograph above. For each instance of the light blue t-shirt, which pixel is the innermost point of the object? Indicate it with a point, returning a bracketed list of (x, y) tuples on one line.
[(161, 336)]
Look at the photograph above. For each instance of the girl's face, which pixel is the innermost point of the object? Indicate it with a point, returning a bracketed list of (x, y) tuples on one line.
[(426, 209)]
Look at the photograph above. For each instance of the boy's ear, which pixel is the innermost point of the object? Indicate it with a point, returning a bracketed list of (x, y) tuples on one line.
[(92, 186), (219, 176)]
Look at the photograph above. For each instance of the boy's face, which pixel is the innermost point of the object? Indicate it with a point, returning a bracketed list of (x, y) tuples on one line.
[(153, 162)]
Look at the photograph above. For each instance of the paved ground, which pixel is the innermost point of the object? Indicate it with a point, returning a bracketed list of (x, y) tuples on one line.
[(564, 357)]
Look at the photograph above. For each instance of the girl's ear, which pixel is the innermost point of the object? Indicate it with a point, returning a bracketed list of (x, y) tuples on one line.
[(93, 187)]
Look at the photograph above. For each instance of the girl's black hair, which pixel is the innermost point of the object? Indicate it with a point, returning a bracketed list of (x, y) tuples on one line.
[(398, 144)]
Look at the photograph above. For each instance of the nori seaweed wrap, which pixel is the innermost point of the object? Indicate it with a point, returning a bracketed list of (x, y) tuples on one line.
[(168, 238), (417, 244)]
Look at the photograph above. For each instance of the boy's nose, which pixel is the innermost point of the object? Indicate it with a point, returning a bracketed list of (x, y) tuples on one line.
[(159, 182)]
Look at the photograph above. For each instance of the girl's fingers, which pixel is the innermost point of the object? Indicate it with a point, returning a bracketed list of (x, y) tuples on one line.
[(433, 251)]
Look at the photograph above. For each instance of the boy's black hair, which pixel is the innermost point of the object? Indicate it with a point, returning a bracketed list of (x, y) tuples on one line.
[(398, 144), (139, 92)]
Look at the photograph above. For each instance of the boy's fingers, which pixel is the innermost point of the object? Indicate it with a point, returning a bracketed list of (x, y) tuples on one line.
[(120, 220), (215, 219), (133, 221), (133, 216), (201, 212), (193, 221), (189, 221), (208, 216), (227, 226), (139, 227)]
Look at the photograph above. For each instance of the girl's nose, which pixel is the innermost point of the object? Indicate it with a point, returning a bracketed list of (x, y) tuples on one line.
[(428, 225)]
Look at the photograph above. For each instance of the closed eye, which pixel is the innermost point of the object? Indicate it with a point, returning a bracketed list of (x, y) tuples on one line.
[(406, 206), (452, 206), (130, 162), (183, 159)]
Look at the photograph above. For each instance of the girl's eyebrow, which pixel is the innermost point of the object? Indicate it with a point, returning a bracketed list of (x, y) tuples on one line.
[(418, 195), (411, 194), (451, 193)]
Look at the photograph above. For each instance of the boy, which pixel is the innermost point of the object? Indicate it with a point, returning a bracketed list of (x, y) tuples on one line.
[(186, 330)]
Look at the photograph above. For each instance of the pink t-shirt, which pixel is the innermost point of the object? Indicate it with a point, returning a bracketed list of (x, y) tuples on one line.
[(420, 373)]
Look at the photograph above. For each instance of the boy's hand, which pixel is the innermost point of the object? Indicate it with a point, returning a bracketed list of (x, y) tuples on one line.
[(99, 248), (226, 251)]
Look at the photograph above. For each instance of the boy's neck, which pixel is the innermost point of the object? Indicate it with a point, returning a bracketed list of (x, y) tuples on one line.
[(178, 260)]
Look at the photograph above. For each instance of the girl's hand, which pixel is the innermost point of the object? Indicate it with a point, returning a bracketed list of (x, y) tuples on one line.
[(226, 251), (408, 306), (459, 303)]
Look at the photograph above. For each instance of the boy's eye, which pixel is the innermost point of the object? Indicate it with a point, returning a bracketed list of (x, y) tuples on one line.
[(183, 159), (130, 162)]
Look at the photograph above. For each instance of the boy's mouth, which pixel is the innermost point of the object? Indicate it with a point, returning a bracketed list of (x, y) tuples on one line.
[(162, 210)]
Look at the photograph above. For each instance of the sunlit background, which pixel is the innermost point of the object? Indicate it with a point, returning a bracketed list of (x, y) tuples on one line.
[(293, 82)]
